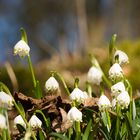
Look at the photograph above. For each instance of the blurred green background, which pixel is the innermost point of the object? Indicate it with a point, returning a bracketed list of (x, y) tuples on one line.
[(61, 33)]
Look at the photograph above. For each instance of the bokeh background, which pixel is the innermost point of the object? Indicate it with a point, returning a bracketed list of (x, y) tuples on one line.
[(62, 33)]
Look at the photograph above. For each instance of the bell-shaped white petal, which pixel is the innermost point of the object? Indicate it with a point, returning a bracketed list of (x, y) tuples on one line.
[(74, 115), (104, 103), (78, 95), (117, 89), (35, 122), (122, 57), (123, 99), (19, 120), (21, 49), (115, 72), (94, 75), (2, 122), (6, 100), (51, 85)]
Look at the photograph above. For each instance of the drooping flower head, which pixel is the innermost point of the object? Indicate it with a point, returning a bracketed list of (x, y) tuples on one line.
[(122, 57), (123, 99), (104, 103), (6, 100), (35, 122), (78, 95), (19, 120), (21, 49), (51, 85), (115, 72), (94, 75), (74, 115), (3, 124), (117, 89)]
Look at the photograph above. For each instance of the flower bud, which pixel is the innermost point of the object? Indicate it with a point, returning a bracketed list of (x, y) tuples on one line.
[(122, 57), (104, 103), (123, 99), (74, 115), (78, 95), (117, 89), (94, 75), (21, 49), (115, 72), (19, 120), (6, 100), (51, 85), (2, 122), (35, 122)]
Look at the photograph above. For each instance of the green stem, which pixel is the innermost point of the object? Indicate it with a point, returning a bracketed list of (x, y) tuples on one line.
[(108, 119), (78, 130), (31, 70)]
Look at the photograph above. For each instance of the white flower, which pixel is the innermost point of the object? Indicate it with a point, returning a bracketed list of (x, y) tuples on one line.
[(2, 122), (74, 115), (78, 95), (94, 75), (123, 99), (117, 89), (21, 48), (113, 103), (6, 100), (51, 85), (122, 57), (35, 122), (115, 72), (19, 120), (104, 103)]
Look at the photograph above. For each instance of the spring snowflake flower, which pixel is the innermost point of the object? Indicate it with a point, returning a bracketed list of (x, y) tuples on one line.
[(21, 49), (78, 95), (123, 99), (51, 85), (117, 89), (6, 100), (2, 122), (104, 103), (122, 57), (35, 122), (19, 120), (94, 75), (74, 115), (115, 72)]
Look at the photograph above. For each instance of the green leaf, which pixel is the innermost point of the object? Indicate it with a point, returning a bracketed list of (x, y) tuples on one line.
[(5, 88), (23, 35), (41, 135), (38, 90), (59, 136), (134, 109), (111, 47), (87, 131), (138, 135), (20, 128), (21, 108)]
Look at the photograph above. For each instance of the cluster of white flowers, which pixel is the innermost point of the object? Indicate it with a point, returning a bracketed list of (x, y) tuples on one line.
[(34, 122), (118, 91), (6, 101)]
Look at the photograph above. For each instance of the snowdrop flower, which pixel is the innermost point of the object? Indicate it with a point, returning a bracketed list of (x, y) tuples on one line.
[(51, 85), (35, 122), (115, 72), (94, 75), (117, 89), (21, 49), (2, 122), (123, 99), (74, 115), (104, 103), (19, 120), (6, 100), (122, 57), (78, 95)]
